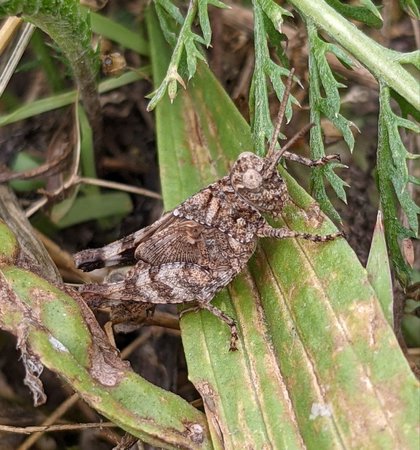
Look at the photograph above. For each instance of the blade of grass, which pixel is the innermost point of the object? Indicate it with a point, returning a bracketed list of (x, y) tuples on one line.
[(69, 27), (318, 366), (379, 271), (96, 206), (67, 98), (118, 33)]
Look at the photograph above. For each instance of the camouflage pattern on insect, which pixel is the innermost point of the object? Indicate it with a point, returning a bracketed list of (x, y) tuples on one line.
[(196, 249)]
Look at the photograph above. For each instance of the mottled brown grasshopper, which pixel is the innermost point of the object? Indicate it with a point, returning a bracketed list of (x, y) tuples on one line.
[(196, 249)]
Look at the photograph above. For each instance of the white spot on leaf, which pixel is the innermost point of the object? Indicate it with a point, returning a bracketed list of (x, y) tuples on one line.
[(320, 410), (57, 344)]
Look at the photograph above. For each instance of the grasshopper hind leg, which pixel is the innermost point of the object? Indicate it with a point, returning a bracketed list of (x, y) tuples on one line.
[(220, 315)]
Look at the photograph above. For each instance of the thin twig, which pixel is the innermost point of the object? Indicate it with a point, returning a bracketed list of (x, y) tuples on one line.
[(92, 181), (119, 186), (49, 428)]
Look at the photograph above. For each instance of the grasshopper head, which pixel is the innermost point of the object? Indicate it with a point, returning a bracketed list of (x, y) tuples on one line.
[(257, 181)]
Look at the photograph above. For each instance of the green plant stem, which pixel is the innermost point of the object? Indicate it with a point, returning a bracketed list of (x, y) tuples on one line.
[(84, 70), (383, 63), (43, 54)]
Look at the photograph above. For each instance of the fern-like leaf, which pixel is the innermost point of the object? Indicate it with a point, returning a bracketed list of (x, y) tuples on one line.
[(266, 14)]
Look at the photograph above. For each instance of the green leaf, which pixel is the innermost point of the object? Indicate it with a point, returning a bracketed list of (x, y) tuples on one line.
[(69, 27), (397, 171), (261, 124), (192, 53), (313, 370), (58, 101), (274, 12), (172, 10), (330, 103), (379, 271), (367, 13), (411, 7), (203, 17), (118, 33), (410, 324), (56, 328), (187, 43), (22, 162), (383, 63), (169, 16), (96, 206), (392, 182), (324, 100)]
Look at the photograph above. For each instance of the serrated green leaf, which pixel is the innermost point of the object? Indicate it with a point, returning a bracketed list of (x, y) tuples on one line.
[(170, 8), (336, 183), (383, 63), (165, 26), (317, 188), (392, 179), (275, 73), (410, 208), (203, 17), (274, 12), (265, 68), (324, 100), (398, 171), (276, 40), (186, 48), (367, 13), (329, 105), (192, 52)]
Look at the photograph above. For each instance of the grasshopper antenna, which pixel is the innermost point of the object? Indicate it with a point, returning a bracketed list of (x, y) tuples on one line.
[(280, 114), (276, 156)]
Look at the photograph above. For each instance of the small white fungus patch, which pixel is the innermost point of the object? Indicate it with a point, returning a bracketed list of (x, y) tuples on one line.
[(320, 410), (57, 344)]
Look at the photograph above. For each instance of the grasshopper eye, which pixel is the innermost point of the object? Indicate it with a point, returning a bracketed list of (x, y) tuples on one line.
[(251, 179)]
